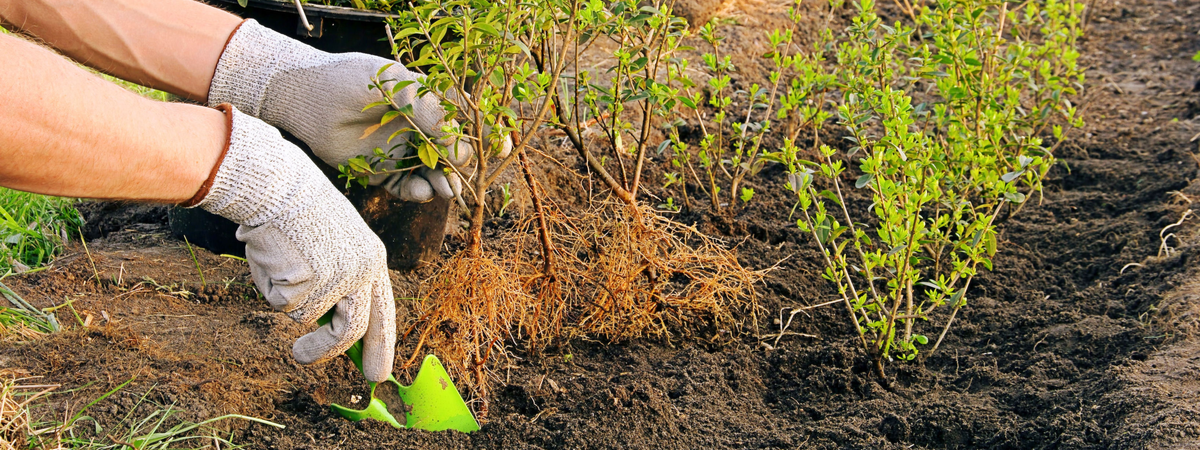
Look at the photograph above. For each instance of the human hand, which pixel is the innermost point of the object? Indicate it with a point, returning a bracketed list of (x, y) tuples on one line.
[(319, 97), (308, 249)]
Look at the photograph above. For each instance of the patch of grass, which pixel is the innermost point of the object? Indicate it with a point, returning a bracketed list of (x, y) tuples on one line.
[(22, 320), (147, 425), (34, 228), (143, 91), (23, 325)]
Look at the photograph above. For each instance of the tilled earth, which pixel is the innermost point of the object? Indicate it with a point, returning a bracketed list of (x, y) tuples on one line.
[(1085, 335)]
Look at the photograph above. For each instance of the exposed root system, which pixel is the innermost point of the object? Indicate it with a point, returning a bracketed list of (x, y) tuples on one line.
[(619, 273)]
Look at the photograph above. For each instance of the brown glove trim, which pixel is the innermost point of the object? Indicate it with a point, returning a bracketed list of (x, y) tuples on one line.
[(203, 192), (231, 35)]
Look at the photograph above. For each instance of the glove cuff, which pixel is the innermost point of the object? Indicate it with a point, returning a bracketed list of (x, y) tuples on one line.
[(252, 57), (227, 109), (259, 174)]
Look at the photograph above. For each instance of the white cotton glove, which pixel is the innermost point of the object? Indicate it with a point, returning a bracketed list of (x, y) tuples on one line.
[(319, 97), (308, 249)]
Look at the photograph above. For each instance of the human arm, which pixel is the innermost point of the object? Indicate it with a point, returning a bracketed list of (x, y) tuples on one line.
[(177, 46), (66, 132), (169, 45), (58, 120)]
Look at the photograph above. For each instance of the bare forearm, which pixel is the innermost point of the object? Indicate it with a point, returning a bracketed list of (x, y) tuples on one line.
[(64, 131), (170, 45)]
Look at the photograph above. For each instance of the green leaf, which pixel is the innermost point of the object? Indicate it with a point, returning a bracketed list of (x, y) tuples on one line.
[(747, 194), (930, 285), (385, 67), (496, 77), (831, 196), (359, 164), (1008, 177), (957, 298), (400, 85), (398, 133), (372, 105), (490, 30), (388, 117), (406, 32), (921, 339), (864, 180), (428, 154), (663, 146)]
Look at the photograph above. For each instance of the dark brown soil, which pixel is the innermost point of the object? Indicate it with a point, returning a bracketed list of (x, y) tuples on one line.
[(1085, 336)]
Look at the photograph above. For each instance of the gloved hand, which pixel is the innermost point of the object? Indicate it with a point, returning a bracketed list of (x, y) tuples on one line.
[(308, 249), (319, 97)]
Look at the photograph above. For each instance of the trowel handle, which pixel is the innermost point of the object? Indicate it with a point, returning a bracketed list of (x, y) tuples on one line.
[(355, 351)]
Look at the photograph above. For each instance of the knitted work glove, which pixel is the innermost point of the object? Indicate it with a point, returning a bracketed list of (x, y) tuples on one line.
[(319, 97), (308, 249)]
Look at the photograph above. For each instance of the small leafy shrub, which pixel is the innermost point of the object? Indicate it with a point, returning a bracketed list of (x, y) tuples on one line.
[(947, 120), (724, 161)]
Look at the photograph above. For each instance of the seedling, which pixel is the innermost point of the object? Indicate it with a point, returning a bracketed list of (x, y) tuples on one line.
[(507, 198), (513, 70)]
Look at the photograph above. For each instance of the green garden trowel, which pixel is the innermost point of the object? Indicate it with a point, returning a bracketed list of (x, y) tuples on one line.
[(431, 403)]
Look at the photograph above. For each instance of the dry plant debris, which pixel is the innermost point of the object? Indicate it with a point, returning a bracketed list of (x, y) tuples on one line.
[(621, 273), (16, 425)]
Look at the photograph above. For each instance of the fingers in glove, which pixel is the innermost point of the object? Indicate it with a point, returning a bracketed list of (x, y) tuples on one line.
[(456, 184), (497, 145), (458, 149), (351, 317), (410, 188), (506, 147), (379, 344), (437, 179)]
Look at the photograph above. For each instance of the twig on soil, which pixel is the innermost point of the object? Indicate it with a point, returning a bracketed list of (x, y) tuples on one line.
[(1164, 248), (1122, 272), (778, 336), (95, 272), (783, 330)]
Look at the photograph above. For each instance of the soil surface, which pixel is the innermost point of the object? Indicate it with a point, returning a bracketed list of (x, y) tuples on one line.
[(1085, 336)]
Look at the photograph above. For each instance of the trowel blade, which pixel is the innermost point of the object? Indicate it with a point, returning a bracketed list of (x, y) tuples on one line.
[(435, 401)]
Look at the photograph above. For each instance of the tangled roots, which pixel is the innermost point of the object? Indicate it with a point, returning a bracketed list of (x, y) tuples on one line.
[(618, 272)]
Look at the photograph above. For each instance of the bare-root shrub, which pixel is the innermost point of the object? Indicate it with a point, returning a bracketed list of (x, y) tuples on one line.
[(642, 275), (621, 272), (466, 315)]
